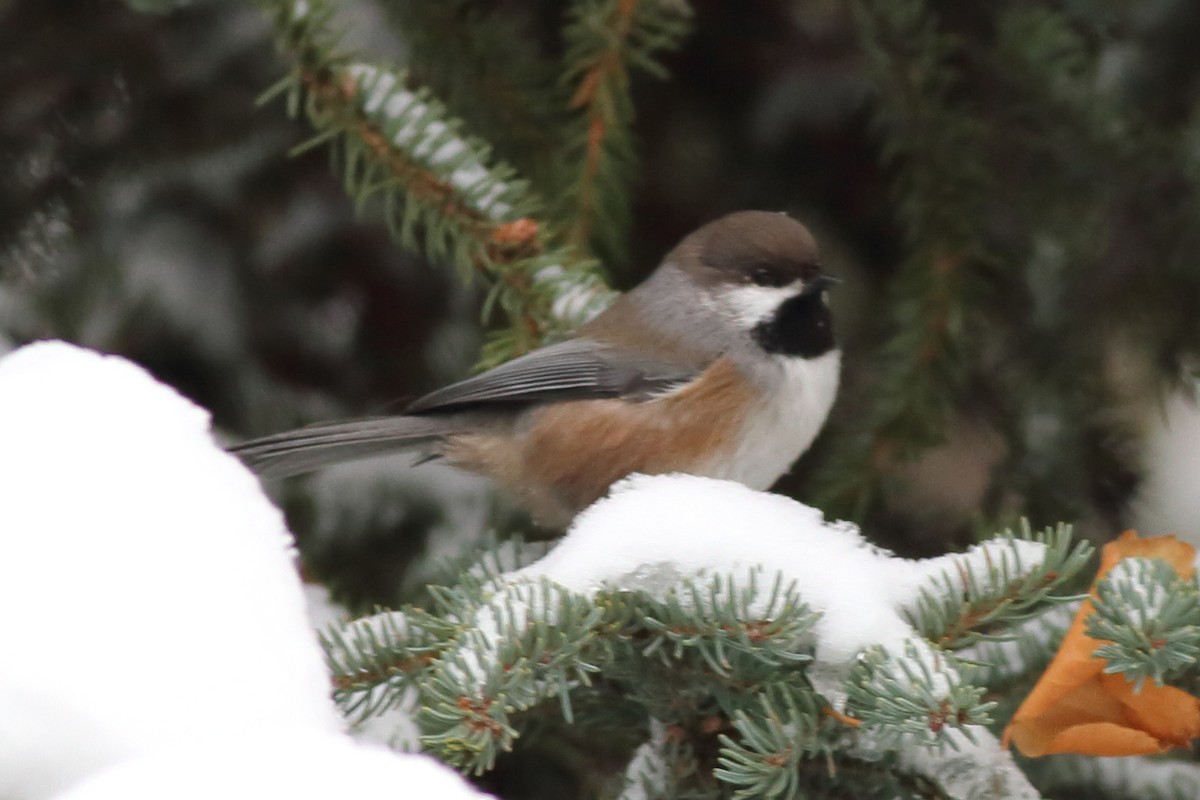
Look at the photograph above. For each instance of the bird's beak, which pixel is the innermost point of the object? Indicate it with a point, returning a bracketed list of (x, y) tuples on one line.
[(819, 284)]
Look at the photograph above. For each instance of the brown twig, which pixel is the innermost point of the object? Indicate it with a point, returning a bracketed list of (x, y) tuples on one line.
[(587, 96), (372, 678)]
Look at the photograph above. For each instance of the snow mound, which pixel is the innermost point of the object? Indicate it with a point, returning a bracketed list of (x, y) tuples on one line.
[(153, 619), (298, 765)]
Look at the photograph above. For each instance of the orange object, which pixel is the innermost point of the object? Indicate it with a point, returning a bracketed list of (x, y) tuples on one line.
[(1076, 708), (518, 232)]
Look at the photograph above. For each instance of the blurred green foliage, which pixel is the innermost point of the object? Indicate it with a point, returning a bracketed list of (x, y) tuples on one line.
[(1009, 189)]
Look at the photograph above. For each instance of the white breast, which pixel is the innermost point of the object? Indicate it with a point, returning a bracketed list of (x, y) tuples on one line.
[(785, 425)]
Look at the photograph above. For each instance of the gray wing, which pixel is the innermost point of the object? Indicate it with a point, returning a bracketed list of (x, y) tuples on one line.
[(307, 449), (577, 369)]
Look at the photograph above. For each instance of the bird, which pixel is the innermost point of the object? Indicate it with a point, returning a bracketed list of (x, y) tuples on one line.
[(722, 363)]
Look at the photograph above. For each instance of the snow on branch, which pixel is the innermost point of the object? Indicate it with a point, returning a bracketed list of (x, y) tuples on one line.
[(527, 644), (733, 614), (912, 696), (974, 766), (1136, 776), (456, 166), (578, 298), (437, 187), (373, 660), (998, 582), (654, 531), (721, 621)]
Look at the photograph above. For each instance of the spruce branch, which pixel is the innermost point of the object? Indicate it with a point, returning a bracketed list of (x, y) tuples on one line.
[(707, 646), (913, 698), (437, 187), (787, 748), (605, 41), (718, 662), (934, 151), (721, 620), (999, 589), (528, 643), (373, 661), (765, 759), (724, 664), (1149, 618)]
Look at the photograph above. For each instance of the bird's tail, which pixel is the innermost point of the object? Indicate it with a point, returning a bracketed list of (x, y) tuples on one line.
[(325, 444)]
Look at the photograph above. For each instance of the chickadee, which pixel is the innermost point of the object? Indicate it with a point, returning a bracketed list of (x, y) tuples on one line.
[(722, 363)]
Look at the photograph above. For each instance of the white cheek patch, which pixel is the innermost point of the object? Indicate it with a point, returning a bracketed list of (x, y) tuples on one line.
[(753, 304)]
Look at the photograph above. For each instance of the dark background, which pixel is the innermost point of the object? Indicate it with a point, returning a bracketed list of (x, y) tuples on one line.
[(149, 208)]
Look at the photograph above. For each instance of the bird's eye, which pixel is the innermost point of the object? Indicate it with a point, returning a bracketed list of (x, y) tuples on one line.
[(766, 276), (809, 270)]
